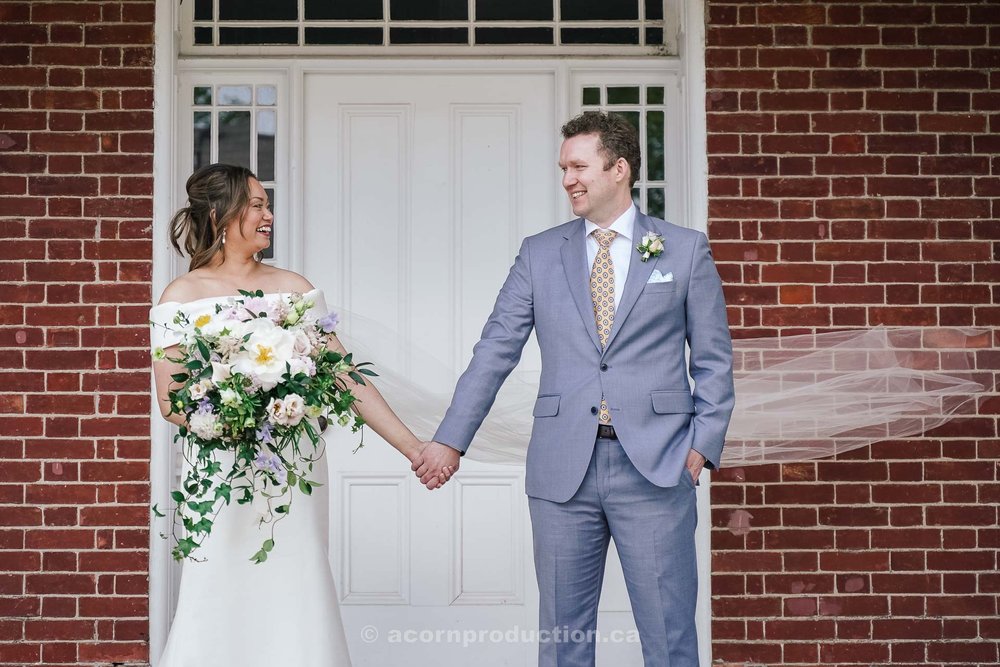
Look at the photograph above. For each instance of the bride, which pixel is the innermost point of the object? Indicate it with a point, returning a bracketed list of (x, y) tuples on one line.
[(231, 611)]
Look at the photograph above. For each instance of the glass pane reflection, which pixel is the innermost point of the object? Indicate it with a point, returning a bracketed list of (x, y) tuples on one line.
[(234, 138), (267, 96), (202, 139), (267, 123), (235, 96), (654, 145), (258, 10), (656, 202), (623, 94)]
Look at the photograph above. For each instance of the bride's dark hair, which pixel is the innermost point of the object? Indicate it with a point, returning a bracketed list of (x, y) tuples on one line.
[(222, 189)]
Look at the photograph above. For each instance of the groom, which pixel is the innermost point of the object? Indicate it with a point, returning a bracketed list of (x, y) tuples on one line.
[(619, 436)]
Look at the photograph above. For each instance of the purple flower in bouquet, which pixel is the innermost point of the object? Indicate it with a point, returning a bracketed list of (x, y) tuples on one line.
[(264, 433), (328, 322), (269, 462)]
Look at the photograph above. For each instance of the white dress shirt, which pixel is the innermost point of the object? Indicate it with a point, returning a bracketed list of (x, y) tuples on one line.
[(621, 248)]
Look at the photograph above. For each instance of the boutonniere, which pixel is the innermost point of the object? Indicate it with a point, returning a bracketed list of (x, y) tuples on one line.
[(651, 246)]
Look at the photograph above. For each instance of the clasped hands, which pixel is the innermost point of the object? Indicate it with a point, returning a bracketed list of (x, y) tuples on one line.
[(434, 464)]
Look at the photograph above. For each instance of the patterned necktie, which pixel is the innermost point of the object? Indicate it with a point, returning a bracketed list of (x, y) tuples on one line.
[(602, 293)]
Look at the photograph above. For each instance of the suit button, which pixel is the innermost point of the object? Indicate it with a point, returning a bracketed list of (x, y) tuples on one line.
[(604, 367), (593, 411)]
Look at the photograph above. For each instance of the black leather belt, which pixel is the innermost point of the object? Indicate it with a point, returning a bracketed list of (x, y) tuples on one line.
[(606, 432)]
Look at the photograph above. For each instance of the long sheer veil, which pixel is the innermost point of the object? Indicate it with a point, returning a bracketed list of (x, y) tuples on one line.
[(798, 398)]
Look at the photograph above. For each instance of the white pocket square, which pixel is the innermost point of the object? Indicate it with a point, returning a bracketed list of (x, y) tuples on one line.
[(657, 277)]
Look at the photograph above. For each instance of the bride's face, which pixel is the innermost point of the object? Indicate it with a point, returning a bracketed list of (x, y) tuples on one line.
[(253, 230)]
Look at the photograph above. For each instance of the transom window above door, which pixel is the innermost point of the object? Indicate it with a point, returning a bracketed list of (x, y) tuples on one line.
[(592, 27)]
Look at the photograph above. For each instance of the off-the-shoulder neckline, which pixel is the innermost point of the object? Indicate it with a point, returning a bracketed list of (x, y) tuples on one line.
[(225, 296)]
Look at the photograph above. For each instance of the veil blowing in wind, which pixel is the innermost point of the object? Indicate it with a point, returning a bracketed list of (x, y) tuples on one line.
[(798, 398)]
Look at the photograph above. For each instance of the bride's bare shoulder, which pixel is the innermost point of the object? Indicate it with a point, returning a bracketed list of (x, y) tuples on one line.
[(181, 290), (283, 280), (188, 287)]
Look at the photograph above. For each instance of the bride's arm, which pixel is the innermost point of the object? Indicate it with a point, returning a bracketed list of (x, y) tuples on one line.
[(162, 370), (377, 413)]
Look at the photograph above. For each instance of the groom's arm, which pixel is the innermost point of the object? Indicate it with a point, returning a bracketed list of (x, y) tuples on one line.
[(493, 357), (711, 358)]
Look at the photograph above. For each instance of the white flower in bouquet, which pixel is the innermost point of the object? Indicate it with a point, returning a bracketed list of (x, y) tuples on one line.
[(205, 424), (286, 412), (229, 397), (265, 353), (201, 388), (302, 364), (295, 409), (221, 372), (303, 344), (210, 323)]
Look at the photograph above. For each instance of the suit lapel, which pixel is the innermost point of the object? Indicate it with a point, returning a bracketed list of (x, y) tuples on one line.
[(574, 259), (638, 273)]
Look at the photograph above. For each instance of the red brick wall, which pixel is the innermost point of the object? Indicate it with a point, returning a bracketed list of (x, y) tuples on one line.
[(75, 214), (855, 181)]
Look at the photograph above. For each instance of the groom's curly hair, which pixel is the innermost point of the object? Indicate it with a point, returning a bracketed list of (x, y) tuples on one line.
[(617, 137)]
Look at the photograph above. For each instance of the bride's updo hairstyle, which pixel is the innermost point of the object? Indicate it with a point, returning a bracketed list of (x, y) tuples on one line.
[(220, 188)]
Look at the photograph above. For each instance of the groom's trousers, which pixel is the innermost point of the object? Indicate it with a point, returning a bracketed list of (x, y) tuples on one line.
[(653, 530)]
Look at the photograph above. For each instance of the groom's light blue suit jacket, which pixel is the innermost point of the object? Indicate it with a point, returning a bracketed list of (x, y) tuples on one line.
[(641, 372)]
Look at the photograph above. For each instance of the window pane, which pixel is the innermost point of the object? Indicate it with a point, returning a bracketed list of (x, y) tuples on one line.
[(429, 35), (513, 10), (202, 95), (654, 36), (654, 95), (429, 10), (513, 35), (344, 36), (258, 36), (654, 145), (600, 35), (592, 96), (637, 198), (258, 10), (268, 252), (235, 96), (267, 96), (203, 36), (234, 138), (596, 10), (203, 10), (623, 95), (267, 125), (654, 9), (202, 139), (343, 9), (656, 202)]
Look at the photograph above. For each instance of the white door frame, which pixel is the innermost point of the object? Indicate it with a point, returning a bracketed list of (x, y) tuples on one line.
[(691, 68)]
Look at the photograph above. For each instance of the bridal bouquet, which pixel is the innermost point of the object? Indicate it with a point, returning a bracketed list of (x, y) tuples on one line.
[(259, 383)]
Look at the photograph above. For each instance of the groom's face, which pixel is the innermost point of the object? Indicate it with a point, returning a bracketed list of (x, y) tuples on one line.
[(595, 193)]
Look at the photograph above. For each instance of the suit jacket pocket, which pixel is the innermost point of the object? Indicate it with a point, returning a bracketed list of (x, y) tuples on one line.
[(546, 406), (660, 288), (672, 402)]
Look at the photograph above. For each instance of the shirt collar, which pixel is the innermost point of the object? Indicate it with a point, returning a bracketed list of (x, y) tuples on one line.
[(624, 225)]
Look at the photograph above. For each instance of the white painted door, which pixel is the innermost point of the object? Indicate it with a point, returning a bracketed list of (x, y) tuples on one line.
[(417, 189)]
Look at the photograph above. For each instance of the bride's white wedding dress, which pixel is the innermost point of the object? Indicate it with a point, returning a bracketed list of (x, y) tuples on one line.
[(283, 611)]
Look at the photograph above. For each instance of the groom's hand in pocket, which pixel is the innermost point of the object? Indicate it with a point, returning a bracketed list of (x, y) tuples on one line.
[(435, 464)]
